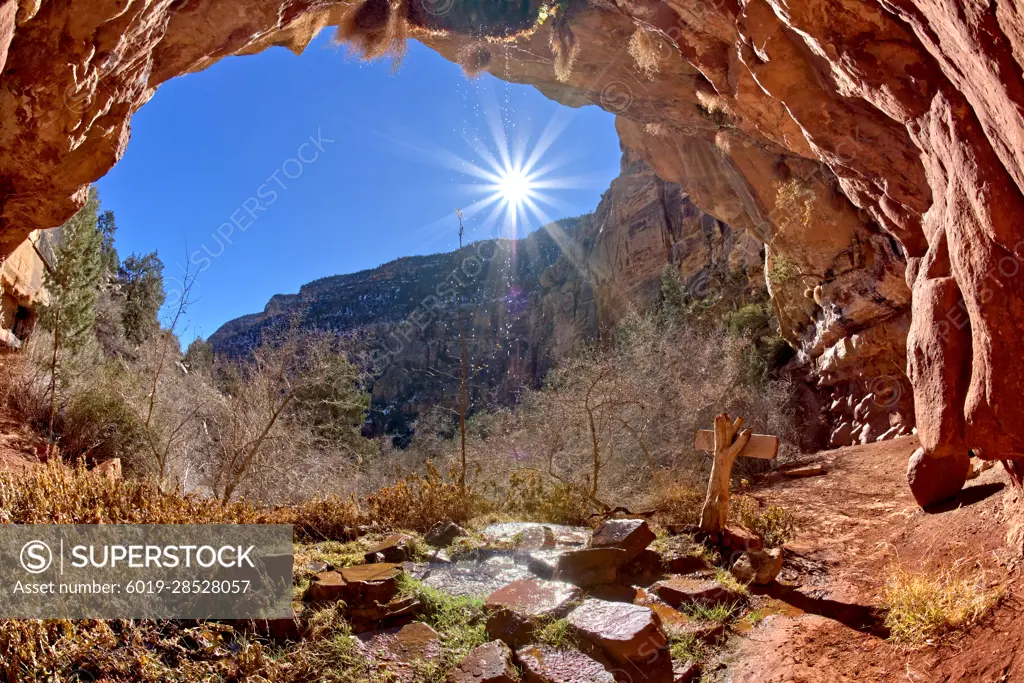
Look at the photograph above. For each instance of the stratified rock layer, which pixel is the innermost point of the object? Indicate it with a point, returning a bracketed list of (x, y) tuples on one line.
[(870, 144)]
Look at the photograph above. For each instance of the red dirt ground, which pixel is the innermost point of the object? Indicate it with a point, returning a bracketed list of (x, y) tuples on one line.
[(855, 522)]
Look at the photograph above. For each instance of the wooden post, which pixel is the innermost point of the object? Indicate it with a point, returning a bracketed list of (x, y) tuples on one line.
[(727, 447)]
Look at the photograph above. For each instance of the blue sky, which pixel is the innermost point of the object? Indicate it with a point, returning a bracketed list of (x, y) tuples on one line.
[(266, 172)]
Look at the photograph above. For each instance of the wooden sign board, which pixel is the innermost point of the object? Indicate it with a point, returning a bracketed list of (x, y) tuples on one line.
[(760, 446)]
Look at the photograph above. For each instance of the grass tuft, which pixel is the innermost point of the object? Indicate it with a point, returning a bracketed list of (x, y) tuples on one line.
[(921, 607)]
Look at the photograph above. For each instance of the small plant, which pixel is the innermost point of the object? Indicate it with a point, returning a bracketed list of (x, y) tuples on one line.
[(773, 523), (558, 634), (458, 620), (920, 607), (728, 581), (782, 270)]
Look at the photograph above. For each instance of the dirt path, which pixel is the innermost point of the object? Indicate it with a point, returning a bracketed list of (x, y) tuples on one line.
[(855, 522)]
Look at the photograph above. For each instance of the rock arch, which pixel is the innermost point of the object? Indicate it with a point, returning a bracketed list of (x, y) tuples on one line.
[(874, 145)]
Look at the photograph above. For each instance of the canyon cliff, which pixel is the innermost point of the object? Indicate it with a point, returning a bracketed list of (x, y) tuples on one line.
[(526, 303), (873, 146)]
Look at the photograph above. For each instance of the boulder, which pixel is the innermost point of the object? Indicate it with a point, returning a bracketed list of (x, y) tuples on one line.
[(631, 535), (517, 610), (738, 537), (590, 566), (401, 651), (489, 663), (934, 479), (396, 548), (626, 633), (760, 567), (543, 664), (443, 534), (645, 568), (684, 590)]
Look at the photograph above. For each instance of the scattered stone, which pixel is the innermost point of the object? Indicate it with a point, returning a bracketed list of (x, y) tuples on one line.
[(396, 612), (685, 672), (842, 435), (934, 479), (368, 583), (443, 534), (758, 566), (815, 470), (400, 650), (362, 585), (489, 663), (591, 566), (625, 632), (318, 567), (326, 587), (738, 537), (631, 535), (543, 664), (979, 466), (683, 590), (395, 548), (518, 609)]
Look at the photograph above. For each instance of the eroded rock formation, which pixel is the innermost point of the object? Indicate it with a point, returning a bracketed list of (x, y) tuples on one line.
[(871, 144)]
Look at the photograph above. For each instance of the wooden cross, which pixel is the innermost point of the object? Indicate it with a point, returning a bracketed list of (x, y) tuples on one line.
[(727, 446)]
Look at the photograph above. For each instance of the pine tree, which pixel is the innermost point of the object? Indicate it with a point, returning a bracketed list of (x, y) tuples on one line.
[(72, 287), (142, 285), (673, 296)]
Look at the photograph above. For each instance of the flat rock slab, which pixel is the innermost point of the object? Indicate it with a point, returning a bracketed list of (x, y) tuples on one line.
[(489, 663), (400, 610), (631, 535), (362, 585), (543, 664), (590, 567), (678, 591), (515, 611), (395, 548), (624, 632), (401, 651)]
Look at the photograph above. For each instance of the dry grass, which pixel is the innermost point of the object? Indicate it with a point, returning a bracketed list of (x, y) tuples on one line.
[(922, 606), (645, 49), (417, 502)]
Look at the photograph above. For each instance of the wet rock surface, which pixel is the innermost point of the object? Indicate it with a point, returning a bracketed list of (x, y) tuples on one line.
[(518, 609), (401, 650), (489, 663), (624, 632), (631, 535), (684, 590), (543, 664), (590, 567)]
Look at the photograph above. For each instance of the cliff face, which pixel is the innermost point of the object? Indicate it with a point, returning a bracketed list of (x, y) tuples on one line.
[(875, 146), (526, 303)]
